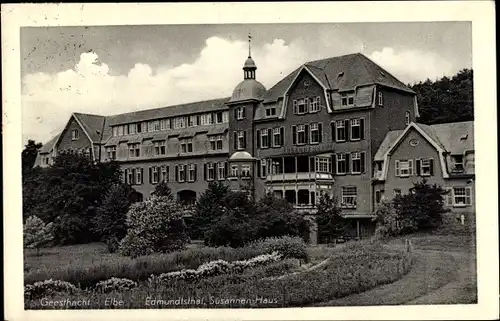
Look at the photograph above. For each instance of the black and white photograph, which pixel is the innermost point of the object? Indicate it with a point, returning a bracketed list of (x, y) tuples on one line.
[(249, 165)]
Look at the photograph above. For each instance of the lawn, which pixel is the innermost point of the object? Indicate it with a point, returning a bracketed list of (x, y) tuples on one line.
[(350, 268)]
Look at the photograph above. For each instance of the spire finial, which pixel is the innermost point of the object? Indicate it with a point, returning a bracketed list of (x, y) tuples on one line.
[(249, 45)]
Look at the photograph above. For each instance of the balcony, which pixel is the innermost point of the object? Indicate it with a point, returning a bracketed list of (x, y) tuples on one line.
[(299, 168), (310, 176)]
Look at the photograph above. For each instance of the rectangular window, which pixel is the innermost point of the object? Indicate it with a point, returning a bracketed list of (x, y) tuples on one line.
[(225, 117), (211, 172), (270, 110), (315, 133), (206, 119), (458, 165), (218, 117), (221, 171), (139, 127), (186, 146), (111, 151), (276, 137), (179, 122), (115, 131), (341, 131), (212, 143), (301, 134), (134, 150), (407, 118), (156, 125), (277, 167), (241, 140), (380, 99), (240, 113), (404, 168), (216, 142), (263, 168), (182, 173), (349, 197), (192, 121), (164, 173), (425, 167), (219, 142), (347, 99), (138, 176), (155, 175), (323, 165), (160, 148), (341, 164), (127, 130), (130, 176), (314, 104), (192, 173), (234, 170), (163, 124), (132, 129), (120, 130), (378, 196), (264, 138), (245, 171), (301, 106), (355, 129), (356, 163), (462, 196)]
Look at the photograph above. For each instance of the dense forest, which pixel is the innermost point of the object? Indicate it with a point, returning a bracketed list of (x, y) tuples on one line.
[(447, 99)]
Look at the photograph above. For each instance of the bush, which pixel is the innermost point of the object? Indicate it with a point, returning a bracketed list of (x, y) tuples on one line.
[(388, 223), (208, 208), (276, 217), (422, 209), (46, 288), (115, 284), (288, 247), (155, 225), (36, 234)]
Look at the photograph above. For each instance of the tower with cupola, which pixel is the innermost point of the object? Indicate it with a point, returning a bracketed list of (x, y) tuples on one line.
[(247, 95)]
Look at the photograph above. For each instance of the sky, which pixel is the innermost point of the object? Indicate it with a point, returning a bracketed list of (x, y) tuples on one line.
[(108, 70)]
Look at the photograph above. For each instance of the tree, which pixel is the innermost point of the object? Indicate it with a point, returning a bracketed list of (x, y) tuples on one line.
[(68, 193), (276, 217), (37, 234), (29, 155), (154, 226), (109, 223), (447, 99), (331, 224), (388, 222), (208, 208), (162, 189), (233, 225), (422, 208)]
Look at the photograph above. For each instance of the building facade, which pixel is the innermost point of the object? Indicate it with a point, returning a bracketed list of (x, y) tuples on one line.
[(318, 130)]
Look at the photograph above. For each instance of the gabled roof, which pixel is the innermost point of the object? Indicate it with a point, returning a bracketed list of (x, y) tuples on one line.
[(389, 140), (49, 146), (177, 110), (341, 73), (92, 125)]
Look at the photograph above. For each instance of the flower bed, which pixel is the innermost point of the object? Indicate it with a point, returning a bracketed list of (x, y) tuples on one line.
[(48, 287)]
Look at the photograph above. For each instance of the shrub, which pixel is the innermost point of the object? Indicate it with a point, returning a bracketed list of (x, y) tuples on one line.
[(36, 233), (276, 217), (388, 223), (46, 288), (115, 284), (155, 225), (422, 208), (288, 247)]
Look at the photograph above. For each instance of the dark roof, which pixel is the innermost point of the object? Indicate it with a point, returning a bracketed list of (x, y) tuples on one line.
[(177, 110), (48, 146), (455, 138), (355, 70), (92, 124)]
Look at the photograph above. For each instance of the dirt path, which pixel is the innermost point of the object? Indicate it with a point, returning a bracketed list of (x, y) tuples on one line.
[(436, 277)]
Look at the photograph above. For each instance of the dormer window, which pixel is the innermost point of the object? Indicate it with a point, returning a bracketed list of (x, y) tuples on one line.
[(347, 99), (75, 134), (458, 163), (270, 110)]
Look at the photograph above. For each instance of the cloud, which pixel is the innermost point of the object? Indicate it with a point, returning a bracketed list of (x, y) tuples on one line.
[(411, 66), (48, 99)]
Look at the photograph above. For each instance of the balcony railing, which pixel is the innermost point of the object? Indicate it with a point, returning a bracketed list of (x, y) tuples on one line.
[(299, 176)]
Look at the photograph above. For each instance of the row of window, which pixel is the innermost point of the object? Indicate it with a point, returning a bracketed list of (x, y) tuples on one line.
[(180, 122), (274, 167), (186, 173), (160, 148), (455, 197), (404, 168), (270, 137)]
